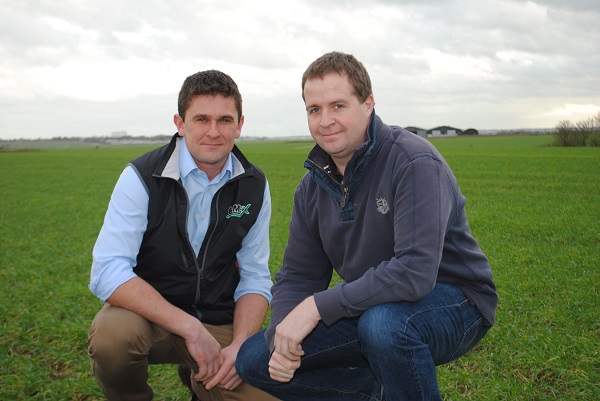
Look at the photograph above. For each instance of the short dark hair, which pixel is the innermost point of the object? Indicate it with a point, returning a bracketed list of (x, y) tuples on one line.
[(210, 82), (341, 63)]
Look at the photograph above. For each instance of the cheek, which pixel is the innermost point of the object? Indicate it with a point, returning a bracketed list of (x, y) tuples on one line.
[(313, 124)]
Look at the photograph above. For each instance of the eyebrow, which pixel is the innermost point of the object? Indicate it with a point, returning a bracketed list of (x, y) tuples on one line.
[(337, 101), (208, 116)]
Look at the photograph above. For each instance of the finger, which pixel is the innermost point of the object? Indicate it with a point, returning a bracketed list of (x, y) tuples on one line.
[(216, 379), (280, 376), (231, 384), (282, 369), (280, 345), (206, 373), (229, 377), (288, 362), (296, 350), (213, 369), (201, 375)]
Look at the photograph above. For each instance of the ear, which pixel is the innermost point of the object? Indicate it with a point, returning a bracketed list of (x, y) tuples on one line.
[(370, 103), (179, 124), (239, 127)]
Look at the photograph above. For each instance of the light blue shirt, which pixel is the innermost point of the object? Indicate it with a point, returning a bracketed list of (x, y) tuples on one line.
[(118, 244)]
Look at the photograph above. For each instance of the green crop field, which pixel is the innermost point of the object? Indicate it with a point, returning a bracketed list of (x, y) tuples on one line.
[(534, 208)]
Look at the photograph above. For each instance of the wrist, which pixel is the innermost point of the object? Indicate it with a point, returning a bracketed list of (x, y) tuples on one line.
[(310, 307), (192, 328)]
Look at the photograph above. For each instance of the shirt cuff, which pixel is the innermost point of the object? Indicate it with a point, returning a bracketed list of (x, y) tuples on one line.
[(329, 305)]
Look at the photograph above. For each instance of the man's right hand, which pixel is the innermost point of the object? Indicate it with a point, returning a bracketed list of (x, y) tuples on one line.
[(205, 350), (140, 297)]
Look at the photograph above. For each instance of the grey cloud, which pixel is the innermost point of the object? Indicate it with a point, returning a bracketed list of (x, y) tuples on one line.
[(544, 52)]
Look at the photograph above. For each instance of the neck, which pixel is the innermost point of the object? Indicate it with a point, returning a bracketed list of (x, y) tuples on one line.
[(341, 167), (211, 170)]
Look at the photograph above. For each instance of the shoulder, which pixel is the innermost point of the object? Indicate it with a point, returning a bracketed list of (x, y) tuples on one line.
[(401, 146)]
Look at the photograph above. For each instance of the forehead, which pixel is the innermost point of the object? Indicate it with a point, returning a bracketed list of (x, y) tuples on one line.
[(212, 105), (330, 87)]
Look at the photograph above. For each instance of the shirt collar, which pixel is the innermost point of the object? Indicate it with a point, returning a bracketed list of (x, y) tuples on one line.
[(187, 163)]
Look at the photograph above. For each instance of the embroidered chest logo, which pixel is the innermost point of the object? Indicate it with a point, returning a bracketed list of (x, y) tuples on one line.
[(382, 206), (238, 210)]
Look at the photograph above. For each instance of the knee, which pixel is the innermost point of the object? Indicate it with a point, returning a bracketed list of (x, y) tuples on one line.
[(373, 327), (242, 363), (252, 358), (384, 327), (114, 337)]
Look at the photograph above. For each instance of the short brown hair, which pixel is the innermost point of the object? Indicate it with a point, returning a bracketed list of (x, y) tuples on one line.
[(210, 82), (341, 63)]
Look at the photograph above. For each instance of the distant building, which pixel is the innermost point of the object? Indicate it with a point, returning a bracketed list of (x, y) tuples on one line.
[(444, 130), (441, 131), (416, 130)]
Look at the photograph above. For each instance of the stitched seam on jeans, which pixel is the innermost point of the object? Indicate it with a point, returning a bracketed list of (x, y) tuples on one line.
[(478, 322), (329, 349), (304, 386)]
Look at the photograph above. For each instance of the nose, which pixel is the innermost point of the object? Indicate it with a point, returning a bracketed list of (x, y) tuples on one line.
[(213, 130), (326, 119)]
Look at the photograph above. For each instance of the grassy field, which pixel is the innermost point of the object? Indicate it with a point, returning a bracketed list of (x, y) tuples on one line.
[(535, 210)]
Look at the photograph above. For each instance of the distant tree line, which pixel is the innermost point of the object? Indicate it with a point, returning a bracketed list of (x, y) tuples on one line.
[(582, 133)]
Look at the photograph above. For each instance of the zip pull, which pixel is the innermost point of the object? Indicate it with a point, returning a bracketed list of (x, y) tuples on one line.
[(344, 196)]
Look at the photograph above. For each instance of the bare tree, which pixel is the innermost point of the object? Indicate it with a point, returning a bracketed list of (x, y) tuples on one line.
[(583, 133), (565, 132), (584, 129), (594, 139)]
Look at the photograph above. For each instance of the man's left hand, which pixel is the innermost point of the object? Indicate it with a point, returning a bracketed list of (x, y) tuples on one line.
[(289, 335), (226, 377)]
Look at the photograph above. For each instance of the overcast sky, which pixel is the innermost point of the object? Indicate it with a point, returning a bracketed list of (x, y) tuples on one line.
[(93, 67)]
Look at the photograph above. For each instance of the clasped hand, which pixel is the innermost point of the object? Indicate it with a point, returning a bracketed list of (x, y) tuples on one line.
[(289, 334), (216, 366)]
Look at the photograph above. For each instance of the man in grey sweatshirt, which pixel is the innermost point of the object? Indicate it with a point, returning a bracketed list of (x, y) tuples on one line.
[(382, 208)]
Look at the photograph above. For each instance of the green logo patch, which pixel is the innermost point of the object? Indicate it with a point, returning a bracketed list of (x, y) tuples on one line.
[(238, 210)]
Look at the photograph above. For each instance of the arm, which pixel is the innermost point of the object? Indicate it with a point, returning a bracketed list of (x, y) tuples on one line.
[(306, 268), (140, 297), (289, 334), (120, 237), (113, 279)]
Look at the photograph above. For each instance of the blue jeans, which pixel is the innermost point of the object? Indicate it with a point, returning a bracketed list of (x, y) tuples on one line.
[(392, 348)]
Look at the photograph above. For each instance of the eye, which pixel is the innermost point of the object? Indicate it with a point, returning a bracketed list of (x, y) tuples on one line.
[(339, 106), (313, 110)]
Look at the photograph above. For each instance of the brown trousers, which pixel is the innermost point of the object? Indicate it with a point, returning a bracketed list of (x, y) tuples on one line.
[(122, 344)]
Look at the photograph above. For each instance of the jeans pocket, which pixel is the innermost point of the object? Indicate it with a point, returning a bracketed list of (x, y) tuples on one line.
[(470, 338)]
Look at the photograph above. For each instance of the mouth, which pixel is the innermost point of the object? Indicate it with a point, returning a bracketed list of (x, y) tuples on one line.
[(330, 134)]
